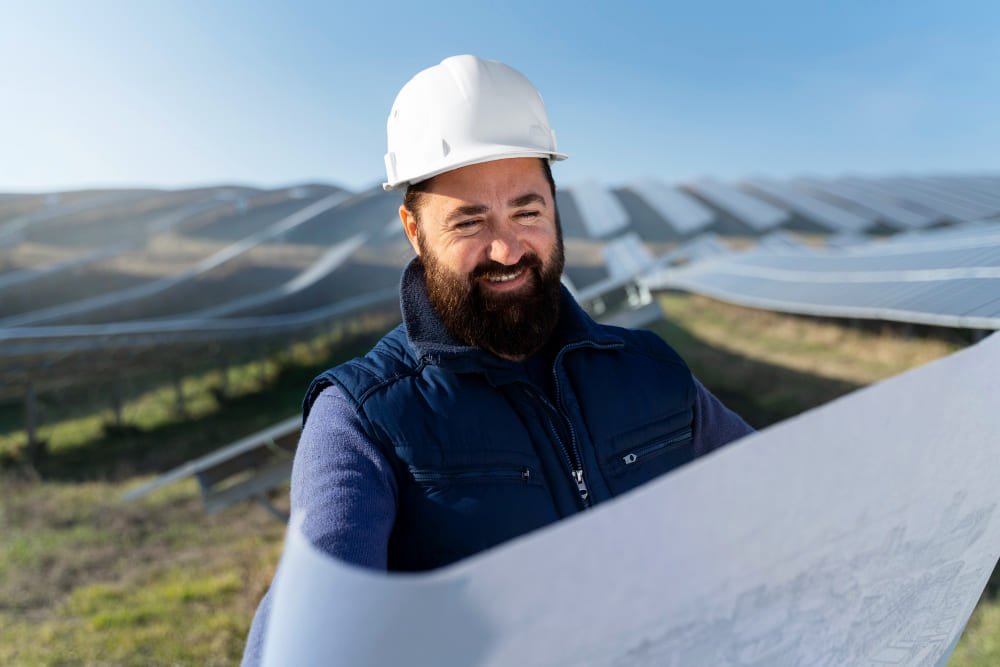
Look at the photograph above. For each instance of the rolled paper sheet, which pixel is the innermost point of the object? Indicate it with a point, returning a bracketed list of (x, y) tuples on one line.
[(861, 532)]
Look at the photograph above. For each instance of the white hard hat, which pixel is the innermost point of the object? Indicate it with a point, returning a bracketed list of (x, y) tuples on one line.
[(464, 111)]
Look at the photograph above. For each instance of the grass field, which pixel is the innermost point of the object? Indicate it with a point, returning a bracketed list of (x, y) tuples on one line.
[(85, 579)]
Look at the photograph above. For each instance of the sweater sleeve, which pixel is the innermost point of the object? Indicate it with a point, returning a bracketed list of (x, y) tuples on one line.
[(346, 491), (714, 424)]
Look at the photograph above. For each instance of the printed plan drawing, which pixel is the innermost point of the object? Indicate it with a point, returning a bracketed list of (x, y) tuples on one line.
[(859, 533)]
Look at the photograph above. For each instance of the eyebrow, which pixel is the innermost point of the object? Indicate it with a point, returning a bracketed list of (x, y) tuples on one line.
[(516, 202), (464, 212), (524, 200)]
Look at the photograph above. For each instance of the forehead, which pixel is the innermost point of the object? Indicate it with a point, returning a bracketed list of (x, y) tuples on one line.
[(489, 182)]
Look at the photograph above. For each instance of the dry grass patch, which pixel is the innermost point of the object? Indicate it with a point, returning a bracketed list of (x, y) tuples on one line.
[(826, 349)]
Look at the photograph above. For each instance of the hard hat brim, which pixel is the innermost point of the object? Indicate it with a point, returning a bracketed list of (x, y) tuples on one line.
[(480, 156)]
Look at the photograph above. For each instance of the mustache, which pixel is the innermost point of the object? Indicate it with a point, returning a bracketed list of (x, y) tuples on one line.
[(492, 268)]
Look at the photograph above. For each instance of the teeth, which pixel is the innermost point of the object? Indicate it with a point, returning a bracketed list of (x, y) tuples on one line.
[(504, 277)]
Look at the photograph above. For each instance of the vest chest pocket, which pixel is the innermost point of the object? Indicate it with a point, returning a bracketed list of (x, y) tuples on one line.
[(447, 513), (652, 450), (474, 475), (642, 452)]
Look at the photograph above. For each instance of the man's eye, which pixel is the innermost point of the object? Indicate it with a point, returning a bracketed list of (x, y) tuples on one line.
[(527, 215), (467, 225)]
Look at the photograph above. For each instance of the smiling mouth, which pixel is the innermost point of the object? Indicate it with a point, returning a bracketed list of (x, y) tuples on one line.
[(504, 277)]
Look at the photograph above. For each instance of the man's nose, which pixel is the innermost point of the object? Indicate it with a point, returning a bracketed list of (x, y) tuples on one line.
[(506, 247)]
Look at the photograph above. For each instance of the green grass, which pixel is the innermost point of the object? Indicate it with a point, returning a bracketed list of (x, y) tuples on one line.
[(980, 645), (88, 580)]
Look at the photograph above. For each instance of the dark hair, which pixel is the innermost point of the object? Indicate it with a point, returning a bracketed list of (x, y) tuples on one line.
[(411, 200)]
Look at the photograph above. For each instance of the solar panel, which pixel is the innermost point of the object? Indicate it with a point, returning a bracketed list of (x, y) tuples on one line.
[(967, 188), (601, 212), (143, 292), (975, 208), (12, 230), (752, 211), (330, 261), (646, 221), (881, 208), (570, 216), (816, 210), (946, 284), (682, 211), (780, 242), (909, 196), (626, 256), (990, 309), (891, 301), (843, 240), (982, 184)]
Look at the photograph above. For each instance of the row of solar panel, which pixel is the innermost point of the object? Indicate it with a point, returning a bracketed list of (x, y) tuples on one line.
[(945, 278), (609, 218), (846, 205)]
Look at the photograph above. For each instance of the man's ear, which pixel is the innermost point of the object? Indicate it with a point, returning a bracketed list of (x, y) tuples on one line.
[(410, 227)]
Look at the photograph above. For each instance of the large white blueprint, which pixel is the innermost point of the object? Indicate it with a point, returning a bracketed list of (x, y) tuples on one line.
[(860, 533)]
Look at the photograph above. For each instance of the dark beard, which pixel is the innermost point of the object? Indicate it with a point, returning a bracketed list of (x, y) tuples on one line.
[(508, 325)]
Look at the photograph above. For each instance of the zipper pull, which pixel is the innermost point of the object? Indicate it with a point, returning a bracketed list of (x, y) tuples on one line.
[(580, 484), (526, 475), (629, 459)]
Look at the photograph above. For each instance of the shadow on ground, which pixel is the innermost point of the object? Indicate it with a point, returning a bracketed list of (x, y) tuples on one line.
[(127, 451), (762, 393)]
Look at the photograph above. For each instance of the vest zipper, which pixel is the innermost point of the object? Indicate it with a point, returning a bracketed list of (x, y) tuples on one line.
[(576, 472), (636, 454), (571, 453), (577, 462)]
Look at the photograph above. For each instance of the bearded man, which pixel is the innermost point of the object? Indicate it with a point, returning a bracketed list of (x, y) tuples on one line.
[(498, 406)]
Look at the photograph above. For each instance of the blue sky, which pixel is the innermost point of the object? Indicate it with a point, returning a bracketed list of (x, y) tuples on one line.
[(182, 93)]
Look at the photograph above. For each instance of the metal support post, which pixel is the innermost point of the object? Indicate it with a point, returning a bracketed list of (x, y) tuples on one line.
[(35, 447), (116, 401), (223, 377), (179, 392)]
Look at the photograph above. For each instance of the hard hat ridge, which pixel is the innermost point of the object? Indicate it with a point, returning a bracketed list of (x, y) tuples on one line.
[(464, 111)]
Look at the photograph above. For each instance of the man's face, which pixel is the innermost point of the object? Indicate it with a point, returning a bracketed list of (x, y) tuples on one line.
[(488, 237)]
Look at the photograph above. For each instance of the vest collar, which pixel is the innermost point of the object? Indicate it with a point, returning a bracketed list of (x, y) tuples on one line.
[(432, 343)]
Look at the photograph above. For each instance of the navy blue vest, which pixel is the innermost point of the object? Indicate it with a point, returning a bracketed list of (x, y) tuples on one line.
[(482, 455)]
